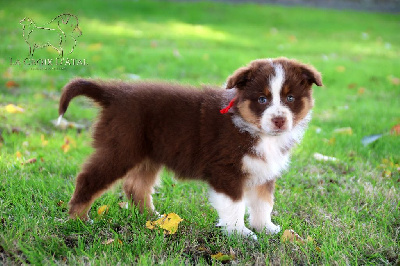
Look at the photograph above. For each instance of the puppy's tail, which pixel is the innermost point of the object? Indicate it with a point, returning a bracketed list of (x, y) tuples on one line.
[(94, 90)]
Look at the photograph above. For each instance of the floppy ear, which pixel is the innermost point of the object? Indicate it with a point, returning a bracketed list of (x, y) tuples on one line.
[(312, 75), (239, 78)]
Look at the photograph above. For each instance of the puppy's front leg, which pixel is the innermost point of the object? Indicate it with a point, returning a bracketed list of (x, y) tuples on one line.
[(231, 214), (260, 201)]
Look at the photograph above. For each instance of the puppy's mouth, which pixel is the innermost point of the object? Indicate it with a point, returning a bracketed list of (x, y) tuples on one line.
[(276, 132)]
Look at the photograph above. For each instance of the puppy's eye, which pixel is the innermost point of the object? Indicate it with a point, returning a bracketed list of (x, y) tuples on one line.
[(290, 98), (262, 100)]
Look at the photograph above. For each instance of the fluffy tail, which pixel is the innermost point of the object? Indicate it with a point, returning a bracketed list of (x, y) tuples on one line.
[(94, 90)]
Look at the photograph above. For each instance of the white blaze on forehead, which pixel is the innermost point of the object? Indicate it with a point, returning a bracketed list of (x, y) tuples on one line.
[(276, 83)]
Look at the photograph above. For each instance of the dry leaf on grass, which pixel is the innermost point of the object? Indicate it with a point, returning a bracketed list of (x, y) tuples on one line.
[(394, 80), (68, 142), (12, 84), (110, 241), (344, 131), (43, 140), (361, 91), (291, 236), (30, 161), (95, 46), (13, 109), (168, 222), (389, 168), (223, 257), (102, 210), (395, 130), (340, 69)]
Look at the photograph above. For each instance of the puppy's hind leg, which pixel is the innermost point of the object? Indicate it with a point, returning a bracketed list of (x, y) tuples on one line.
[(139, 183), (97, 175)]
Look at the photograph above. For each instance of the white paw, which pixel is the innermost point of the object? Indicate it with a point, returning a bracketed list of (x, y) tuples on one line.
[(157, 214), (248, 233), (243, 231), (272, 228)]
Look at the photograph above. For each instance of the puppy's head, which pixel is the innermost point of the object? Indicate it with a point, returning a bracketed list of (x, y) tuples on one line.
[(273, 95)]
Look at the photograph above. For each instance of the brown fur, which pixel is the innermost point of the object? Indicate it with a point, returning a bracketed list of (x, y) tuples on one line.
[(143, 126), (266, 192), (247, 114)]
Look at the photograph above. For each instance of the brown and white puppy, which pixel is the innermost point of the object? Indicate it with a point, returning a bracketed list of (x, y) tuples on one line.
[(239, 150)]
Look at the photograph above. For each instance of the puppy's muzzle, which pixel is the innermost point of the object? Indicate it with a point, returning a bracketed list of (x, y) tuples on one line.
[(279, 122)]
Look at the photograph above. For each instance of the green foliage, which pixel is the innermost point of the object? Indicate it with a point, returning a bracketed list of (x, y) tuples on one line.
[(350, 207)]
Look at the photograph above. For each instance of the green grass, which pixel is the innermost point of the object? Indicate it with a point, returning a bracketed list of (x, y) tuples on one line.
[(349, 208)]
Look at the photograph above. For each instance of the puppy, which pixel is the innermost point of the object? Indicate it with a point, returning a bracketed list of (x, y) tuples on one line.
[(237, 140)]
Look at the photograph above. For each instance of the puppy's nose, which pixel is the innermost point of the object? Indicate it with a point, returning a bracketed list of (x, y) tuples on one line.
[(279, 121)]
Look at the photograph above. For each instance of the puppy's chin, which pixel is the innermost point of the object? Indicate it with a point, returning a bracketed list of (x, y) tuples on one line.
[(277, 132), (273, 131)]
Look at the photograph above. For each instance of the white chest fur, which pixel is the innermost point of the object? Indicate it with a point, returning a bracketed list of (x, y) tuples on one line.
[(272, 155), (268, 163)]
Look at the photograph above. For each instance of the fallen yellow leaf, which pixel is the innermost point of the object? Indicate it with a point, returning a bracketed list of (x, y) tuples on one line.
[(330, 141), (68, 141), (291, 236), (168, 222), (95, 46), (65, 147), (44, 141), (387, 173), (222, 257), (108, 241), (13, 109), (292, 38), (344, 131), (361, 91), (340, 69), (102, 209), (351, 85)]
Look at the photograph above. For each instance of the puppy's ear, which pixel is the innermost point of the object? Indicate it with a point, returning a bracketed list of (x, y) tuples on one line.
[(312, 75), (239, 78)]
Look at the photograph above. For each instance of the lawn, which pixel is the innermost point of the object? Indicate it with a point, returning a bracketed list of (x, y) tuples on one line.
[(349, 210)]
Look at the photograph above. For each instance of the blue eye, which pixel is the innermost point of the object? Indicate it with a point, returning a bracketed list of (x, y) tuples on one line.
[(290, 98), (262, 100)]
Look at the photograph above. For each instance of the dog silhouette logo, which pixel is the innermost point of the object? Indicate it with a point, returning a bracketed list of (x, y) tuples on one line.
[(60, 33)]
